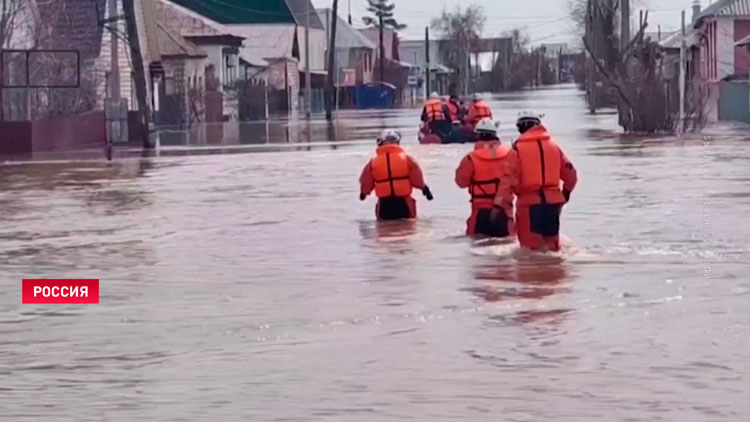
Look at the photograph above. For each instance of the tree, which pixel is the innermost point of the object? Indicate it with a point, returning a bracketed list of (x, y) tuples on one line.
[(9, 10), (463, 27), (577, 13), (521, 68), (383, 18), (25, 28)]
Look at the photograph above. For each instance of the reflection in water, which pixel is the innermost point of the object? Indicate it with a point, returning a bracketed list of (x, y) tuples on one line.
[(535, 278), (388, 231)]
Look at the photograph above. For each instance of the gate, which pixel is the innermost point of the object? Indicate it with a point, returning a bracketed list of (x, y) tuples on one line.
[(734, 101)]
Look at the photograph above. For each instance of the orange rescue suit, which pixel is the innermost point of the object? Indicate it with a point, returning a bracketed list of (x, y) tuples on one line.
[(390, 170), (536, 169), (392, 174), (481, 172), (434, 111), (454, 109), (488, 170), (477, 111)]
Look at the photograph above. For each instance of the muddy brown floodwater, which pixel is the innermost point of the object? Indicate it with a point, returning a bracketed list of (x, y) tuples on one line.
[(257, 287)]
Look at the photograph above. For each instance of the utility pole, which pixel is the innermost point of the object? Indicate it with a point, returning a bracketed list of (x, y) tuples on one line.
[(139, 70), (595, 26), (2, 60), (625, 25), (114, 78), (382, 47), (681, 122), (308, 82), (427, 59), (331, 61), (467, 65)]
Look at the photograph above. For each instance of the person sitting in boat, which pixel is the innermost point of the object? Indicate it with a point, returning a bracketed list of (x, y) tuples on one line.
[(478, 110), (437, 115)]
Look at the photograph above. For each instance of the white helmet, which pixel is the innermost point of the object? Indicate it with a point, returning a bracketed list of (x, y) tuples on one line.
[(477, 97), (530, 115), (434, 96), (486, 125), (389, 135)]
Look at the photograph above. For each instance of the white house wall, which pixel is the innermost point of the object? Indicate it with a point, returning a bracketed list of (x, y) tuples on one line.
[(216, 58), (103, 64), (317, 48)]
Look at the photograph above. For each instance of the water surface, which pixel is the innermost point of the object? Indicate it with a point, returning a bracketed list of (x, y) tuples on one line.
[(257, 287)]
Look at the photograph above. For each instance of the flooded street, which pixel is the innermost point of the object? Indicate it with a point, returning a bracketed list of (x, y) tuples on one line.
[(257, 287)]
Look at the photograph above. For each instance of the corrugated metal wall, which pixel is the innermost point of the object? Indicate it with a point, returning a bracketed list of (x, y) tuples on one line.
[(734, 102)]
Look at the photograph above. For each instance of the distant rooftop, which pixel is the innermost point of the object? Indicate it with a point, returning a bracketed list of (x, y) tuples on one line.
[(346, 35), (171, 44), (299, 9), (241, 11), (725, 8)]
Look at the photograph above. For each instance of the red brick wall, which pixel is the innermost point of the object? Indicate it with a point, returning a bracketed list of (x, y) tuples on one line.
[(741, 59)]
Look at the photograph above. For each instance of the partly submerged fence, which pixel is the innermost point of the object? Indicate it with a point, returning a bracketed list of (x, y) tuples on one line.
[(49, 135)]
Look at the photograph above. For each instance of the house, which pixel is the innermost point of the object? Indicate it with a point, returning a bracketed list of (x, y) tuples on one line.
[(719, 28), (179, 94), (80, 26), (553, 53), (355, 53), (273, 31), (83, 30), (354, 58), (224, 66), (147, 37), (396, 72), (415, 52)]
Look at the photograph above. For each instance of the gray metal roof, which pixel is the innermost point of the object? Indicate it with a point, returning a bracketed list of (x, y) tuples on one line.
[(725, 8), (346, 35), (674, 40), (177, 19), (272, 41), (299, 9), (172, 44)]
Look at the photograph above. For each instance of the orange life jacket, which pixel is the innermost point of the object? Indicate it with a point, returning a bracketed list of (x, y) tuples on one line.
[(489, 166), (540, 162), (480, 110), (434, 110), (454, 110), (390, 169)]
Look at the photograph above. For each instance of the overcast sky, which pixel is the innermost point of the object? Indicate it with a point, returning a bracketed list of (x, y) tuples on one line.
[(544, 20)]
